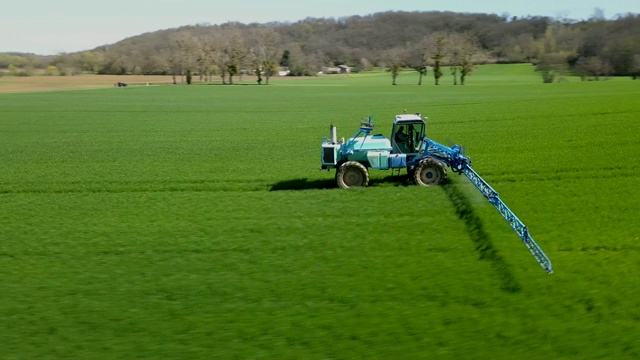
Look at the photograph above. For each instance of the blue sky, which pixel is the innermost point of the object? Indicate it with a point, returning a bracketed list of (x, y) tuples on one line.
[(49, 27)]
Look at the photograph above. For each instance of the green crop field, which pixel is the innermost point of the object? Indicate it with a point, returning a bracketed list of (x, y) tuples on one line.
[(192, 222)]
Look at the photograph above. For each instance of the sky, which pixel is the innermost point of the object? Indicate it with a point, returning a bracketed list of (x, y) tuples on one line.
[(46, 27)]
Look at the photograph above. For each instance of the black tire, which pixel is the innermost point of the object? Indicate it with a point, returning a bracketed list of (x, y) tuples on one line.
[(429, 172), (352, 174), (411, 171)]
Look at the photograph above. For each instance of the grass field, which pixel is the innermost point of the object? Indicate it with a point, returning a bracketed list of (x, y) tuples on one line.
[(185, 222)]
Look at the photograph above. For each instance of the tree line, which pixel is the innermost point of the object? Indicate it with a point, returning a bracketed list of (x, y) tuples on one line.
[(428, 42)]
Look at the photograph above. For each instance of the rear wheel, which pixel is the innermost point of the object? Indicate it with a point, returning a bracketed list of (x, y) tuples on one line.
[(411, 171), (429, 172), (352, 174)]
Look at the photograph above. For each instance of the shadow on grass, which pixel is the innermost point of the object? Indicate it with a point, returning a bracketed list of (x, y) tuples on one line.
[(306, 184), (303, 184), (484, 245)]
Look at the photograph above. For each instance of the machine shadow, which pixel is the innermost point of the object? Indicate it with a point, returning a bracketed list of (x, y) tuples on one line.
[(483, 243), (306, 184), (303, 184)]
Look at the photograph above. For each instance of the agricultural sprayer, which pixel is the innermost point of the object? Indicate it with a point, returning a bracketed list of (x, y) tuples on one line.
[(424, 160)]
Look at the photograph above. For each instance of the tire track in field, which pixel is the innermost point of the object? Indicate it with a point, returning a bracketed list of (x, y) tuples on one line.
[(563, 175), (138, 186), (482, 240)]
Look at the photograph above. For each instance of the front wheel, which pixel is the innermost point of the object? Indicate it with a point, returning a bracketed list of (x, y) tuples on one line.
[(429, 172), (352, 174)]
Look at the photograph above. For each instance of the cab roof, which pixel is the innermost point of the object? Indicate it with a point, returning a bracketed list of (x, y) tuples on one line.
[(408, 118)]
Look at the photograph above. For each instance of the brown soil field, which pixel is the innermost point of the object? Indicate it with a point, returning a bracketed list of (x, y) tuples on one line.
[(48, 83), (15, 84)]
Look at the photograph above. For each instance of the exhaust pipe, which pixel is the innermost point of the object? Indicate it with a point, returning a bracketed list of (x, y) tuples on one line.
[(334, 134)]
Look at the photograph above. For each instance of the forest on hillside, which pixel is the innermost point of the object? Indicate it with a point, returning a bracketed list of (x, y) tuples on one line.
[(424, 41)]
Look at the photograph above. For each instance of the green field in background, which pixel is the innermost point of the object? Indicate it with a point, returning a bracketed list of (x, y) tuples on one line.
[(184, 222)]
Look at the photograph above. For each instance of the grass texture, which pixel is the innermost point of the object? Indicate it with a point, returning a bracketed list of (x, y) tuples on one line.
[(190, 222)]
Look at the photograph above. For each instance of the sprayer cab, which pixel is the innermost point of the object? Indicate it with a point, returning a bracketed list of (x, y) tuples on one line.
[(408, 134)]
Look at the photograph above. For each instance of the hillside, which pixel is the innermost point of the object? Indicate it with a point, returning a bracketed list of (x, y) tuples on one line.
[(389, 39)]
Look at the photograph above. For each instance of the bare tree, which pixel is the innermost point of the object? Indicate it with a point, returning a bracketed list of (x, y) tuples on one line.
[(437, 57), (235, 54), (254, 56), (156, 63), (463, 48), (301, 64), (454, 65), (173, 60), (591, 66), (394, 60), (526, 45), (114, 64), (552, 66), (418, 57), (271, 55), (90, 61), (263, 54), (314, 62), (219, 56), (183, 55), (205, 57), (554, 54)]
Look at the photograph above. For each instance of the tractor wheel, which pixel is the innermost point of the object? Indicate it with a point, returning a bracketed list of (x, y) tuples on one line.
[(352, 174), (411, 171), (429, 172)]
